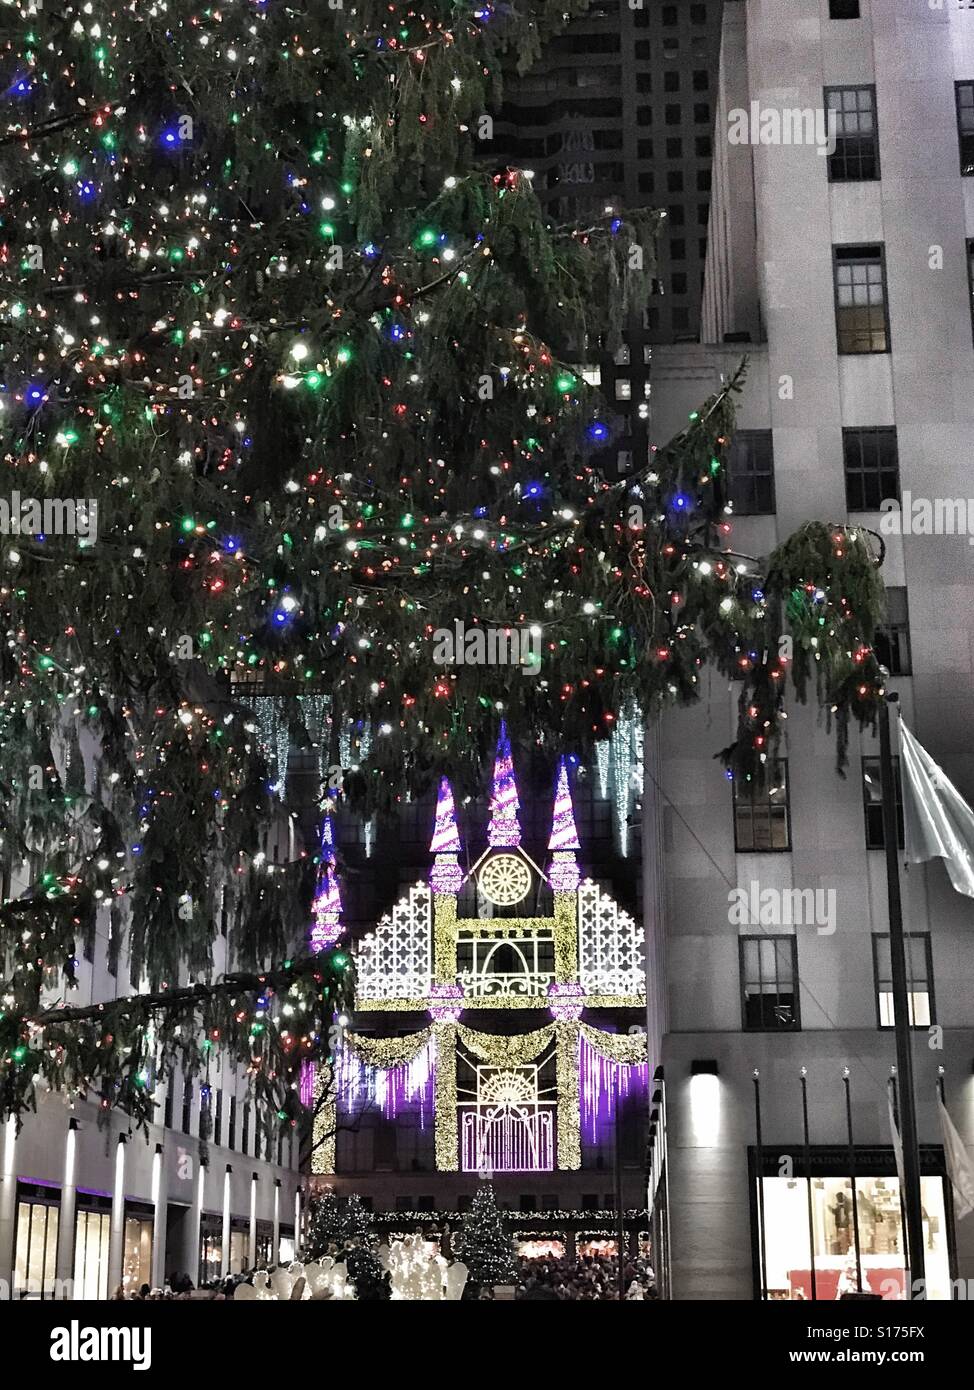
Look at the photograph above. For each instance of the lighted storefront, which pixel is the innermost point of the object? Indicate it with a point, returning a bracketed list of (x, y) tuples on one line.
[(830, 1235), (36, 1249)]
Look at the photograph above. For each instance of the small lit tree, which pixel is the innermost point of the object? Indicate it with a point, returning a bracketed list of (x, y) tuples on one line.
[(488, 1251)]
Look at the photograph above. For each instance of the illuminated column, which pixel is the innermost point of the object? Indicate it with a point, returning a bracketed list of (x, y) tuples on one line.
[(196, 1220), (276, 1237), (160, 1221), (64, 1261), (116, 1236), (8, 1204), (253, 1221), (297, 1220), (225, 1229), (445, 1103)]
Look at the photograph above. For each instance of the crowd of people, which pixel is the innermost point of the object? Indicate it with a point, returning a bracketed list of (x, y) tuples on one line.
[(181, 1286), (585, 1278)]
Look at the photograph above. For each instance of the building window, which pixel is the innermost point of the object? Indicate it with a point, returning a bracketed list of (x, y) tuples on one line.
[(872, 470), (137, 1251), (527, 1202), (860, 299), (750, 472), (35, 1261), (671, 81), (892, 640), (167, 1112), (218, 1119), (245, 1136), (769, 983), (187, 1104), (232, 1135), (970, 278), (92, 1229), (674, 147), (919, 979), (964, 92), (843, 9), (762, 819), (872, 800), (851, 111)]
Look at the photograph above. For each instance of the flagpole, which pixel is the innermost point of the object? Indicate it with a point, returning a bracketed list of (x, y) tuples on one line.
[(901, 1010)]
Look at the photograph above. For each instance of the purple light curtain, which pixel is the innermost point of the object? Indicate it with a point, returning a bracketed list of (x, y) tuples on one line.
[(600, 1080), (390, 1089)]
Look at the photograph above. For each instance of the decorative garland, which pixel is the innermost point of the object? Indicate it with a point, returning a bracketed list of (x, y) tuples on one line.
[(506, 1051), (625, 1049), (385, 1053)]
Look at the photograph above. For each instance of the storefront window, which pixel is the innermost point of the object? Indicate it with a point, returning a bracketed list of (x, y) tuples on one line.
[(287, 1249), (239, 1250), (210, 1248), (540, 1248), (880, 1226), (137, 1253), (91, 1239), (36, 1258)]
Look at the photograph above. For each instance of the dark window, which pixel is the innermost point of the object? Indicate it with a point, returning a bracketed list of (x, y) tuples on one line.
[(245, 1134), (698, 14), (646, 183), (671, 81), (872, 800), (404, 1204), (843, 9), (964, 92), (187, 1104), (644, 82), (671, 115), (750, 472), (674, 181), (701, 112), (852, 113), (644, 115), (232, 1127), (674, 147), (892, 640), (703, 214), (860, 299), (464, 1202), (703, 180), (872, 470), (678, 249), (218, 1119), (762, 819), (703, 146), (590, 1201), (549, 1201), (644, 50), (701, 80), (769, 983), (167, 1113), (527, 1202), (970, 278), (919, 979), (644, 149), (668, 17), (678, 283), (676, 216)]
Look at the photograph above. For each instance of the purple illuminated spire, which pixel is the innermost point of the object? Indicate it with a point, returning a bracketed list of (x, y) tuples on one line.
[(326, 909), (563, 874), (504, 830), (446, 875)]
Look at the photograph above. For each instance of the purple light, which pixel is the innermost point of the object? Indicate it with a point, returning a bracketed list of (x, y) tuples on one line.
[(446, 836), (565, 1001), (504, 830), (390, 1089), (600, 1082), (446, 1003), (306, 1085), (326, 909)]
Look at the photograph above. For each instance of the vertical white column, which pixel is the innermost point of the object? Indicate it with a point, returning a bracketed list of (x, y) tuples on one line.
[(64, 1263), (116, 1237), (160, 1219), (193, 1248), (276, 1238), (8, 1205), (297, 1221), (253, 1221), (225, 1231)]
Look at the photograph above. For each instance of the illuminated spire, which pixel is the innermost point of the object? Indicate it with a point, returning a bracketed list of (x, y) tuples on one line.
[(446, 876), (563, 833), (504, 830), (326, 910), (563, 875)]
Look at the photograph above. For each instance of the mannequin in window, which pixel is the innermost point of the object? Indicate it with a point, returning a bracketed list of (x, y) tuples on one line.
[(842, 1218)]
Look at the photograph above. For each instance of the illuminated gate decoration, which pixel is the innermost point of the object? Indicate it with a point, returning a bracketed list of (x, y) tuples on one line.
[(541, 939), (507, 1129)]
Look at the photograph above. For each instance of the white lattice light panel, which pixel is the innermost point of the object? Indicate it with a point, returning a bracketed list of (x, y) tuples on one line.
[(394, 961), (610, 954)]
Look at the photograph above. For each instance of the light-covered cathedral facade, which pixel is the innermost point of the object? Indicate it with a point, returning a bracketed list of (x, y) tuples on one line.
[(498, 1027)]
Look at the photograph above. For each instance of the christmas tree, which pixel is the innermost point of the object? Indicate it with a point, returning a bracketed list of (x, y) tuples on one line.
[(292, 388), (487, 1250), (332, 1221), (372, 1283)]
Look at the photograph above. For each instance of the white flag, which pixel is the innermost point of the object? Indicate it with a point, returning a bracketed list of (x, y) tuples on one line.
[(938, 822), (960, 1169)]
